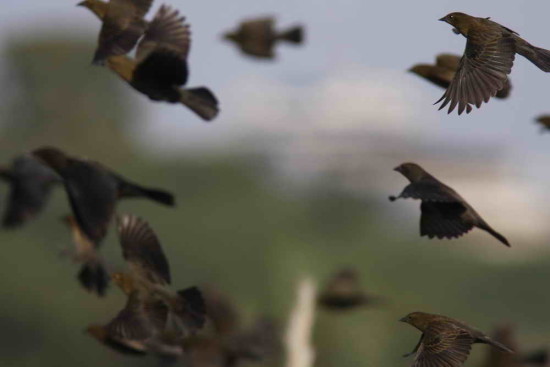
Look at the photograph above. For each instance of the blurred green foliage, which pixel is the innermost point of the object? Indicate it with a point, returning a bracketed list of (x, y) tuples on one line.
[(232, 229)]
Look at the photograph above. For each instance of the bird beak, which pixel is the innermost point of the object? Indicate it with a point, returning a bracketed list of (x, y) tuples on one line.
[(403, 319), (398, 169), (82, 3), (444, 19)]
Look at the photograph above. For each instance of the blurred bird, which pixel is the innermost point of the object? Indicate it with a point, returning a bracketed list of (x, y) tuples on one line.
[(222, 311), (445, 214), (445, 342), (131, 331), (503, 334), (30, 185), (257, 37), (149, 274), (160, 66), (444, 70), (544, 122), (92, 275), (488, 59), (539, 357), (93, 190), (123, 25), (343, 292)]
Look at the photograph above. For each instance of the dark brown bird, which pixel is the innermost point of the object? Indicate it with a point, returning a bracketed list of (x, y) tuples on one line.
[(160, 66), (445, 214), (134, 328), (443, 71), (487, 60), (544, 122), (445, 342), (503, 334), (93, 190), (30, 185), (93, 276), (123, 25), (149, 273), (343, 292), (257, 37)]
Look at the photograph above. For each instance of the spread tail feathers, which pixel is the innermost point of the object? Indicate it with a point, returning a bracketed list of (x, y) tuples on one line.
[(94, 277), (293, 35), (538, 56), (201, 101)]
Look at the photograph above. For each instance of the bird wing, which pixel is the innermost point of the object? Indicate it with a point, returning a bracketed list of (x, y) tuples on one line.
[(443, 345), (30, 189), (122, 27), (482, 72), (443, 220), (430, 190), (167, 32), (142, 250), (130, 324), (92, 193)]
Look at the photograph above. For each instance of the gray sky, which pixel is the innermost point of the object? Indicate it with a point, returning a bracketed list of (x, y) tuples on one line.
[(349, 78)]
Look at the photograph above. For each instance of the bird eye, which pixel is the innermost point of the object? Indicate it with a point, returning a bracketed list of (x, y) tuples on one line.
[(451, 16)]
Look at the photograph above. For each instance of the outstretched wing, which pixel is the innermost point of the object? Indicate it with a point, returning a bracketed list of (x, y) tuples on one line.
[(443, 346), (142, 250), (443, 220), (482, 72)]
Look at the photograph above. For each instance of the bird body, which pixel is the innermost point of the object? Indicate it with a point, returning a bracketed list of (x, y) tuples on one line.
[(93, 190), (487, 61), (445, 214), (257, 37), (343, 292), (445, 342)]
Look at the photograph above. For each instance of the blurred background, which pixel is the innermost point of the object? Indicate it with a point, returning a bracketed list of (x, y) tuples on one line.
[(290, 180)]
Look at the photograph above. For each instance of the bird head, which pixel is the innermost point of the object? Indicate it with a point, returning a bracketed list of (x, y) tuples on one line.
[(460, 21), (411, 171), (124, 282), (419, 320), (51, 157)]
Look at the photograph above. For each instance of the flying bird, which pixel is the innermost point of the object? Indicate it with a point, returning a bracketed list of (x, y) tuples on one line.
[(160, 66), (257, 37), (444, 213), (445, 342), (93, 276), (149, 273), (443, 71), (544, 122), (487, 61), (93, 190), (30, 184), (123, 25), (343, 292)]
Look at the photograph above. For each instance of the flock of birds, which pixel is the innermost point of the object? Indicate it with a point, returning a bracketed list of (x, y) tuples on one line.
[(202, 326)]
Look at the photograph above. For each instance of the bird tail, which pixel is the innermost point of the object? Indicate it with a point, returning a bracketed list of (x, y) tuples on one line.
[(504, 92), (132, 190), (538, 56), (494, 343), (191, 308), (94, 277), (201, 101), (495, 234), (293, 35)]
